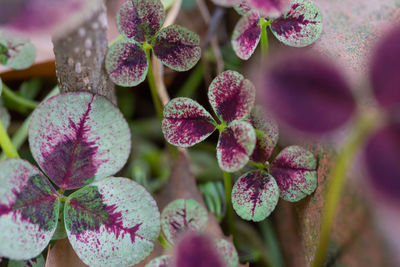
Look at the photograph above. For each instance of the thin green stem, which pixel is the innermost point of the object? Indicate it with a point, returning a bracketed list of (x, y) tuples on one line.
[(6, 143), (19, 100), (152, 84), (164, 242), (264, 37), (229, 208), (337, 182)]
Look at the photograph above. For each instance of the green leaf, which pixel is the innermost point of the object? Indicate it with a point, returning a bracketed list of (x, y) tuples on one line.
[(181, 216), (29, 208), (79, 137), (20, 53), (228, 252), (112, 222), (167, 3)]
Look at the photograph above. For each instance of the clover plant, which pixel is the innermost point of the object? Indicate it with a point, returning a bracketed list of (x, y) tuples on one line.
[(78, 140), (140, 23), (297, 24), (231, 96), (16, 52)]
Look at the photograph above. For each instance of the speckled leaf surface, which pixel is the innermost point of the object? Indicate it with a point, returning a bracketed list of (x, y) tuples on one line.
[(35, 262), (196, 250), (183, 215), (126, 63), (308, 93), (267, 134), (112, 222), (295, 172), (28, 210), (231, 96), (382, 160), (19, 53), (242, 8), (385, 69), (186, 122), (269, 8), (79, 137), (177, 47), (140, 20), (300, 26), (246, 35), (255, 195), (235, 145), (162, 261), (228, 252)]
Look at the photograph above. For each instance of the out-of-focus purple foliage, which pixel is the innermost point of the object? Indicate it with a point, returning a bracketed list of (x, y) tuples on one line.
[(308, 94)]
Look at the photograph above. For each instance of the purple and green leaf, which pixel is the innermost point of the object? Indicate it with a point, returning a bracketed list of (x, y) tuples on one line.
[(196, 250), (177, 47), (183, 215), (300, 26), (235, 145), (228, 252), (242, 7), (308, 94), (267, 133), (35, 262), (269, 8), (295, 172), (78, 137), (231, 96), (255, 195), (382, 160), (140, 20), (186, 122), (246, 35), (29, 208), (162, 261), (126, 63), (385, 69), (110, 218), (16, 52)]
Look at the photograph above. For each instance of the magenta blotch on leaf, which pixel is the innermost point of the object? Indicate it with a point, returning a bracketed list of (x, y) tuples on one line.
[(140, 24), (186, 123), (308, 94), (255, 195), (183, 215), (246, 35), (295, 172), (269, 8)]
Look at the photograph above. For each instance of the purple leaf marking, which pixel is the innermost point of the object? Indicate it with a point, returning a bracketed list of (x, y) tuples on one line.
[(140, 20), (110, 218), (267, 134), (299, 27), (196, 250), (269, 8), (382, 159), (177, 47), (246, 35), (78, 137), (227, 251), (295, 172), (235, 145), (28, 210), (183, 215), (186, 122), (255, 195), (126, 63), (242, 8), (231, 96), (385, 69), (308, 94)]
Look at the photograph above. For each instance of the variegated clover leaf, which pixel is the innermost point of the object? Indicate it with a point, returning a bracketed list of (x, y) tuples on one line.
[(292, 174), (16, 52), (231, 96), (298, 26), (78, 140), (140, 22)]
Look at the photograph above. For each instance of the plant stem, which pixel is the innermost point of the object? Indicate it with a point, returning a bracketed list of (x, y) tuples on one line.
[(27, 103), (153, 87), (264, 38), (163, 242), (337, 182), (6, 143), (229, 208)]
